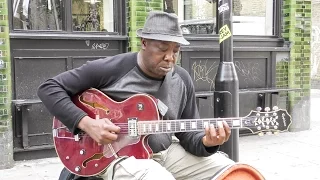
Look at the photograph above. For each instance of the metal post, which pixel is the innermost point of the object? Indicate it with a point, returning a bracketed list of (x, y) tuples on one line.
[(226, 95)]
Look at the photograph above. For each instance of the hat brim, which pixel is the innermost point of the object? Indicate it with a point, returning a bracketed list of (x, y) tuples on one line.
[(163, 37)]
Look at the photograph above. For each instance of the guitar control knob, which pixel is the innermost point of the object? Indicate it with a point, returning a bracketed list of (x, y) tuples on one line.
[(77, 169), (82, 151)]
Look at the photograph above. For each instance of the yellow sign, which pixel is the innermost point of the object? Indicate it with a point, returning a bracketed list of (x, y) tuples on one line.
[(224, 33)]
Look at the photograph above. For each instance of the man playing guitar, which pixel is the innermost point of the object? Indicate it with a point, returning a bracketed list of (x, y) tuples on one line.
[(153, 71)]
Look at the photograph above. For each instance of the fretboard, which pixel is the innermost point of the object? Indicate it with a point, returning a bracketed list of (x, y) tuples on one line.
[(182, 125)]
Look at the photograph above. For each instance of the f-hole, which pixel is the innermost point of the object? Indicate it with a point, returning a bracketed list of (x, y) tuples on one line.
[(94, 157), (98, 156)]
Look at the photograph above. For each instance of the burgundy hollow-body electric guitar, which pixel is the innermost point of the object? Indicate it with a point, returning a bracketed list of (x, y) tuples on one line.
[(138, 116)]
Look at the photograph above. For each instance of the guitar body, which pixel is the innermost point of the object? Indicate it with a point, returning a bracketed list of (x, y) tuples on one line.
[(238, 171), (138, 116), (81, 155)]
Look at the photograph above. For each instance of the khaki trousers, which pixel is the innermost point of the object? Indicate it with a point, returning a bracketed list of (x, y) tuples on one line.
[(172, 164)]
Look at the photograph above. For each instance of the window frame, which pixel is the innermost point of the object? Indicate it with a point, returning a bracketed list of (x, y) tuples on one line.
[(119, 7)]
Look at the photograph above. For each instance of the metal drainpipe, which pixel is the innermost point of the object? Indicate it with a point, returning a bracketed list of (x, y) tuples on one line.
[(226, 95)]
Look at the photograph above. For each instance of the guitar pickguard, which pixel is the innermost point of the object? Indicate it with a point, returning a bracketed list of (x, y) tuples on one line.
[(122, 141)]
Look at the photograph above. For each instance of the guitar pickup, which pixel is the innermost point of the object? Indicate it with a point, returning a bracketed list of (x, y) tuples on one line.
[(132, 127)]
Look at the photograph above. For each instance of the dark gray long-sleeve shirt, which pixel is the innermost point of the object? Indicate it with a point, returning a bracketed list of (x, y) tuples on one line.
[(120, 77)]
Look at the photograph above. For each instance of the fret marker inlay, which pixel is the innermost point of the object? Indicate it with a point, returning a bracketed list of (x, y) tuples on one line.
[(193, 125), (144, 127), (168, 126), (236, 123), (182, 125), (205, 124)]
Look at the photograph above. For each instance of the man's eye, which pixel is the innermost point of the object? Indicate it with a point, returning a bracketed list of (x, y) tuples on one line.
[(163, 49)]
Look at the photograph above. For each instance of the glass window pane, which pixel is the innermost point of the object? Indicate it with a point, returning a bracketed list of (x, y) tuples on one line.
[(37, 14), (250, 17), (92, 15), (195, 16)]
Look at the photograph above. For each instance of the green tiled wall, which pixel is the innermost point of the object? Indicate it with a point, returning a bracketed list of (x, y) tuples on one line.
[(6, 149), (138, 11), (297, 31)]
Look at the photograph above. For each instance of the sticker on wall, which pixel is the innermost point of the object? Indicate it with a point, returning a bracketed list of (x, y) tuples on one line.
[(224, 7), (224, 33)]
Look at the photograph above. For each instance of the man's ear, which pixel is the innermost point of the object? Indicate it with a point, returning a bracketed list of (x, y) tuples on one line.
[(143, 43)]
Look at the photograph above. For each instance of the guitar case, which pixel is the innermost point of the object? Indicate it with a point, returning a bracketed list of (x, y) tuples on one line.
[(238, 171)]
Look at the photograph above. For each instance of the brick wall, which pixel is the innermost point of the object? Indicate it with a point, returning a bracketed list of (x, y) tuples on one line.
[(6, 148), (138, 11), (297, 31)]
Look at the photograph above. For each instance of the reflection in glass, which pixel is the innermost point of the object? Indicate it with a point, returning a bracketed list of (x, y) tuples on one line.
[(37, 14), (253, 17), (250, 17), (92, 15), (198, 16)]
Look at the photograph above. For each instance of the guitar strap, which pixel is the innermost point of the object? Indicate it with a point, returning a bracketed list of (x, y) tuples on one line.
[(162, 94)]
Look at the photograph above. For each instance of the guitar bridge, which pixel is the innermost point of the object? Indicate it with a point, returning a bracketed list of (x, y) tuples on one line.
[(132, 127)]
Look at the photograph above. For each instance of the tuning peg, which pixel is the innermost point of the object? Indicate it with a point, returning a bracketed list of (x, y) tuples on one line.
[(275, 108), (267, 109), (259, 109), (268, 133)]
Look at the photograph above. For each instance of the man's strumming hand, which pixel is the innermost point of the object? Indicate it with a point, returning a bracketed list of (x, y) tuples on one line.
[(215, 137), (103, 131)]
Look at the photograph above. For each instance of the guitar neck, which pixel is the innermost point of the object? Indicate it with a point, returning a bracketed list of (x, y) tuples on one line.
[(184, 125)]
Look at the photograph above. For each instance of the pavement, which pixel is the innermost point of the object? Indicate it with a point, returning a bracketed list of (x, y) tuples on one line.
[(285, 156)]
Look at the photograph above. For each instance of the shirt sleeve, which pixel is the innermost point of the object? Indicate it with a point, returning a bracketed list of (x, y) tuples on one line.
[(56, 92), (192, 141)]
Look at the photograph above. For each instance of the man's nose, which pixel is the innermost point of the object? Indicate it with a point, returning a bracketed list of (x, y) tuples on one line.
[(170, 56)]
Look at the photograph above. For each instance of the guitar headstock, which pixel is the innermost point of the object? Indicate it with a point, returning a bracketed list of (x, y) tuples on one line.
[(267, 121)]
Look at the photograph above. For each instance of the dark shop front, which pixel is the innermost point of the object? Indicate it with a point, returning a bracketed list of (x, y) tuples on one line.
[(48, 37)]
